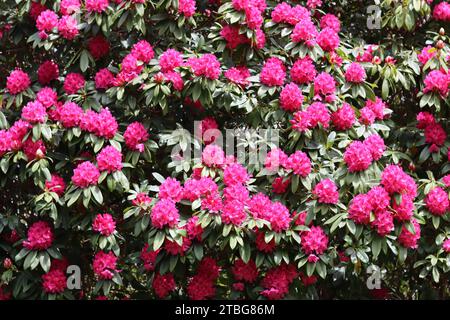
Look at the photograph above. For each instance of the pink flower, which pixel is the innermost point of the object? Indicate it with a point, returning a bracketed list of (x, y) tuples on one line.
[(441, 11), (280, 185), (247, 272), (253, 17), (326, 191), (73, 83), (207, 65), (97, 6), (109, 159), (314, 241), (34, 112), (40, 236), (446, 180), (103, 79), (330, 21), (208, 129), (107, 125), (68, 27), (187, 7), (344, 117), (405, 210), (235, 174), (328, 39), (424, 120), (275, 158), (36, 8), (437, 201), (408, 239), (360, 208), (384, 222), (17, 81), (324, 84), (395, 180), (273, 72), (299, 163), (312, 4), (46, 21), (233, 212), (238, 75), (435, 135), (47, 97), (437, 81), (85, 174), (357, 156), (142, 51), (379, 198), (278, 216), (67, 7), (104, 224), (427, 53), (291, 98), (277, 280), (47, 72), (56, 185), (446, 246), (213, 156), (54, 281), (135, 136), (194, 229), (281, 12), (104, 265), (170, 60), (175, 79), (174, 249), (34, 149), (163, 284), (70, 114), (303, 71), (355, 73), (171, 189), (149, 257), (98, 46), (232, 36), (376, 146), (164, 213), (305, 31)]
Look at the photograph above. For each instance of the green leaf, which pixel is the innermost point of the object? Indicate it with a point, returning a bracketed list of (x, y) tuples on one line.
[(96, 192)]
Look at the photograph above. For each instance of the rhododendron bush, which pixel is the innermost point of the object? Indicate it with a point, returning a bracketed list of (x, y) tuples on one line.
[(113, 160)]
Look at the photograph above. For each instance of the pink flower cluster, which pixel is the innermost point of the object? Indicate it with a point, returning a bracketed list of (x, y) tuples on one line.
[(11, 139), (163, 284), (315, 114), (238, 75), (291, 98), (437, 81), (109, 159), (273, 73), (437, 201), (355, 73), (441, 11), (40, 236), (54, 281), (202, 285), (409, 239), (314, 242), (303, 71), (187, 7), (344, 117), (277, 280), (47, 72), (17, 81), (359, 155), (326, 191), (207, 66), (325, 86), (148, 257), (284, 13), (435, 134), (135, 136), (104, 265), (56, 185), (104, 224), (373, 110), (247, 272), (133, 63), (164, 213), (85, 174)]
